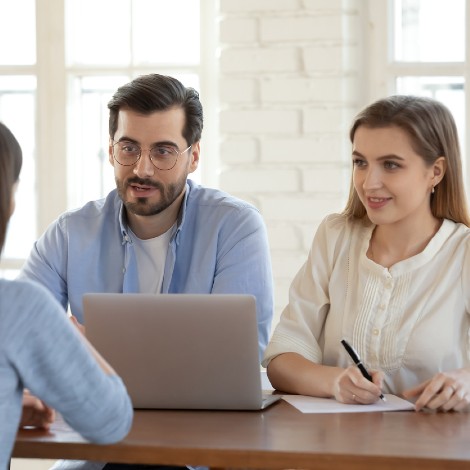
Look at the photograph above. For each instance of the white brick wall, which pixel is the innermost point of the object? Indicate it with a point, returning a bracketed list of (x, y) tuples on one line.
[(260, 121), (289, 81)]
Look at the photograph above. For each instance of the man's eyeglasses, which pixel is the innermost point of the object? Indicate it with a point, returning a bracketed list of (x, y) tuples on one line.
[(163, 157)]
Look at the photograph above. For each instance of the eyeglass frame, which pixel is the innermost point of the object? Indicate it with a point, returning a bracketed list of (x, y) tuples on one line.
[(178, 153)]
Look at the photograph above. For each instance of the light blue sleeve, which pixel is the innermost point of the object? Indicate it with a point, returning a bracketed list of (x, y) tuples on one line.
[(53, 361), (47, 261), (244, 266)]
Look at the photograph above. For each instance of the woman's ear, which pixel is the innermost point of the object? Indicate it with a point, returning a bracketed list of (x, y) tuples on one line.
[(439, 169)]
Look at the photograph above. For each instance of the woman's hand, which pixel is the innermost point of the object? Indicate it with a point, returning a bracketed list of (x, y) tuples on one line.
[(352, 387), (77, 324), (35, 412), (446, 391)]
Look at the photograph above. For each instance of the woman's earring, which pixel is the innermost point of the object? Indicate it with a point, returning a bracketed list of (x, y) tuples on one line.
[(432, 190)]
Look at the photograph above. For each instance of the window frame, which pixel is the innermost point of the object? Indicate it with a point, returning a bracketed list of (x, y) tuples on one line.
[(383, 70)]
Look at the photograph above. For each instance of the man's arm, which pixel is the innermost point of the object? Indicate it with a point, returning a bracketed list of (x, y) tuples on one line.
[(47, 262), (244, 266)]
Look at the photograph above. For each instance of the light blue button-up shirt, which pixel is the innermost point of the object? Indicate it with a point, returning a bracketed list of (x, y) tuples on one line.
[(220, 246)]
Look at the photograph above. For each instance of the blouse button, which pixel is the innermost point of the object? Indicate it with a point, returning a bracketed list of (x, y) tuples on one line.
[(375, 331)]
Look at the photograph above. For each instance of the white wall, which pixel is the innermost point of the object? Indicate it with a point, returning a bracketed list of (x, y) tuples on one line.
[(290, 82)]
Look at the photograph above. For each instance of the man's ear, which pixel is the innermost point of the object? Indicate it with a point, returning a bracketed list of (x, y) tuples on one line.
[(194, 156)]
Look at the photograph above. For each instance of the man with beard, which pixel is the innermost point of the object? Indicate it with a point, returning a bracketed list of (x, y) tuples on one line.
[(158, 231)]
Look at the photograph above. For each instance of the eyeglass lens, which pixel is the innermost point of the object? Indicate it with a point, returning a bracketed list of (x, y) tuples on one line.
[(163, 157)]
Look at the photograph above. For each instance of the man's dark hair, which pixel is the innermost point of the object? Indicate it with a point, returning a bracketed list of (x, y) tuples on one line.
[(149, 93)]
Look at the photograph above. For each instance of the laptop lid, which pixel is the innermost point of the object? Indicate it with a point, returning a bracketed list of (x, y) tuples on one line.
[(180, 351)]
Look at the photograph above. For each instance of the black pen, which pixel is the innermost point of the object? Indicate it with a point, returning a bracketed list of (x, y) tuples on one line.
[(357, 360)]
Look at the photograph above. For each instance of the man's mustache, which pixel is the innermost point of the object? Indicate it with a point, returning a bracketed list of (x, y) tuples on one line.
[(144, 182)]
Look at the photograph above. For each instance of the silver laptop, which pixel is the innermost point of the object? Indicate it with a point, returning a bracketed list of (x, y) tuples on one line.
[(180, 351)]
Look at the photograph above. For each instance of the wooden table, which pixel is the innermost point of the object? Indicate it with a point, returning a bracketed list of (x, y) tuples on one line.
[(279, 437)]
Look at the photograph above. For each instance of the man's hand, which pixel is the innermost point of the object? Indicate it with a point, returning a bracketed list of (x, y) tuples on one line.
[(35, 412)]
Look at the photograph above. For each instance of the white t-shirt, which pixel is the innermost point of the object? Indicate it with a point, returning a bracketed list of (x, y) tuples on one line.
[(151, 257), (410, 320)]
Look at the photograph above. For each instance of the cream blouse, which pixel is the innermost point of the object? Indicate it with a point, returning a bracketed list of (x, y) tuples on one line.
[(410, 321)]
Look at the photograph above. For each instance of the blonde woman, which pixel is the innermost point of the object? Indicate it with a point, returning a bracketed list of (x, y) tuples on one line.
[(390, 274)]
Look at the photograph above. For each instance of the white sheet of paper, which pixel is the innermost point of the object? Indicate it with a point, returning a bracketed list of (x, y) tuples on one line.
[(330, 405)]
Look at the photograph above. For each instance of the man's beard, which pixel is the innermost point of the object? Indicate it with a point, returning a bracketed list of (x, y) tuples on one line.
[(143, 206)]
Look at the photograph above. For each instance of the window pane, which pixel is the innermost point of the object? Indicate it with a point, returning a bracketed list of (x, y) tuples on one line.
[(90, 174), (166, 31), (17, 111), (97, 32), (429, 30), (18, 32), (9, 273), (160, 34)]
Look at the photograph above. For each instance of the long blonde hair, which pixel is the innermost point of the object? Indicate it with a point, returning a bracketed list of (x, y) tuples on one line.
[(433, 134)]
